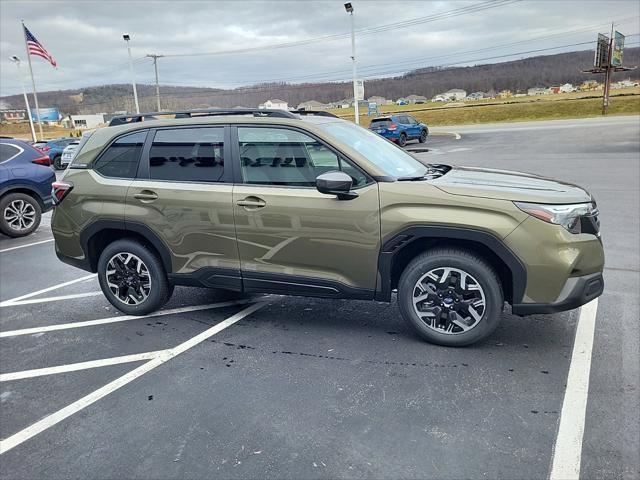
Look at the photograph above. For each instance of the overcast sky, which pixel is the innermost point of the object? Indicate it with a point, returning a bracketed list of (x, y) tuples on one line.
[(86, 38)]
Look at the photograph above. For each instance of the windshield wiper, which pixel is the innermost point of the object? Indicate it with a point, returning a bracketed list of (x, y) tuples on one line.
[(415, 178)]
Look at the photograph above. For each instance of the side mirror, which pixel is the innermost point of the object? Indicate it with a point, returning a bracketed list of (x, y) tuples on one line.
[(336, 183)]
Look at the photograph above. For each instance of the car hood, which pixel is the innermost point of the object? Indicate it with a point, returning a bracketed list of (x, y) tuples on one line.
[(508, 185)]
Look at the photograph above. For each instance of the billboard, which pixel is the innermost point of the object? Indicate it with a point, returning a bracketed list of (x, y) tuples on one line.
[(46, 114), (601, 59), (617, 50), (359, 90)]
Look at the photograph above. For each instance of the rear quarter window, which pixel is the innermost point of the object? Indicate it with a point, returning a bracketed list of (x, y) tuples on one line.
[(120, 159), (8, 151)]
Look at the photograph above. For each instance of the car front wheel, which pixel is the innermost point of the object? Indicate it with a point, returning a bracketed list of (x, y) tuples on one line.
[(423, 136), (451, 297), (21, 214), (133, 278)]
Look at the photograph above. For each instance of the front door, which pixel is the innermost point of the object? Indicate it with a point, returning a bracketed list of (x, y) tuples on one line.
[(292, 238), (183, 193)]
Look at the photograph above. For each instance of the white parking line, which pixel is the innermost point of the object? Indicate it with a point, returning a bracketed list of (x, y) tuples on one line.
[(74, 367), (567, 453), (121, 318), (55, 418), (12, 301), (31, 301), (26, 245)]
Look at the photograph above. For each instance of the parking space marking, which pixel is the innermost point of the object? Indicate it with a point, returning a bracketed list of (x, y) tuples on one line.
[(121, 318), (31, 301), (11, 302), (26, 245), (55, 418), (567, 453), (74, 367)]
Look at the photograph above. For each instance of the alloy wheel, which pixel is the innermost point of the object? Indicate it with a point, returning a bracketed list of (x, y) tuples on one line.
[(128, 278), (449, 300), (20, 215)]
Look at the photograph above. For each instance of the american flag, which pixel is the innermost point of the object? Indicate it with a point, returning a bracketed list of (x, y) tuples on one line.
[(34, 47)]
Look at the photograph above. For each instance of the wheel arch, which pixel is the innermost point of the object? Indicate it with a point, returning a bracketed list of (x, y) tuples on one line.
[(400, 248), (101, 233), (26, 191)]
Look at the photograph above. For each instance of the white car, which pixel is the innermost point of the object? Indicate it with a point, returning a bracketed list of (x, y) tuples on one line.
[(68, 153)]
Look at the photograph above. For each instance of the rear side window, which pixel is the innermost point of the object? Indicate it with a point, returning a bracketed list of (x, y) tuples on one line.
[(188, 155), (120, 160), (8, 151)]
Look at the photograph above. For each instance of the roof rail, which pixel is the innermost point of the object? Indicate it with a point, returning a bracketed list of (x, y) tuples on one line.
[(317, 113), (256, 112)]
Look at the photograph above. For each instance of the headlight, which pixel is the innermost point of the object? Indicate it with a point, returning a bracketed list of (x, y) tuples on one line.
[(569, 216)]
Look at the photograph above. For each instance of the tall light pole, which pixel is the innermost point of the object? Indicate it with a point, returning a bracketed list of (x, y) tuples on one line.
[(15, 59), (133, 76), (349, 8), (155, 67)]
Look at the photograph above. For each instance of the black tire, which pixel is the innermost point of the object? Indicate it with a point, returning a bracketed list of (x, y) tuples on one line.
[(160, 290), (402, 141), (461, 260), (32, 212), (57, 162), (423, 136)]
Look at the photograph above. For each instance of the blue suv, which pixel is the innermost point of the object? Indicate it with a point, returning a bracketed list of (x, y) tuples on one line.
[(25, 187), (400, 128), (54, 148)]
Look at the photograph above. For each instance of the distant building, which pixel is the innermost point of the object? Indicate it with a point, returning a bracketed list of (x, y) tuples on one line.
[(83, 122), (377, 100), (554, 90), (475, 96), (13, 115), (417, 99), (439, 98), (567, 87), (275, 104), (455, 94), (590, 85), (505, 94), (538, 91), (311, 105)]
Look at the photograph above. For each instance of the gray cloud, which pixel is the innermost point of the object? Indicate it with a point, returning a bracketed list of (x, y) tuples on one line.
[(86, 38)]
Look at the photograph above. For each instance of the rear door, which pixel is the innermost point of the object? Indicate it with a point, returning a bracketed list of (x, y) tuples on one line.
[(292, 238), (183, 194)]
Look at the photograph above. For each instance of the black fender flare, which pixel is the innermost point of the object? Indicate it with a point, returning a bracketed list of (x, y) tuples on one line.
[(394, 244)]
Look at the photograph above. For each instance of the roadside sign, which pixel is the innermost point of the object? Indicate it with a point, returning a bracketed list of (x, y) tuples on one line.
[(601, 59), (359, 90), (618, 49), (373, 109)]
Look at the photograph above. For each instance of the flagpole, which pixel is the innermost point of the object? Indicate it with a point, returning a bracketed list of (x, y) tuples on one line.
[(15, 59), (33, 83)]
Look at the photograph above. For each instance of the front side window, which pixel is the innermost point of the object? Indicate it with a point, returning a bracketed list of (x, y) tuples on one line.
[(394, 161), (120, 160), (280, 156), (188, 155)]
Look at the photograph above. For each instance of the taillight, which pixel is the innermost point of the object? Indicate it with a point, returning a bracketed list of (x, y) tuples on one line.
[(59, 190), (392, 126), (42, 161)]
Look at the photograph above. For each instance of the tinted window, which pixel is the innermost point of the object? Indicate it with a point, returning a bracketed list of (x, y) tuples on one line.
[(7, 151), (279, 156), (187, 155), (120, 160)]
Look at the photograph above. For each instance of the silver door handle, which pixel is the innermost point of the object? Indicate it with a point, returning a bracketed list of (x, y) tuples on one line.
[(253, 202), (146, 195)]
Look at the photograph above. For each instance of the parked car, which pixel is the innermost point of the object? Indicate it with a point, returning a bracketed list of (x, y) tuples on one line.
[(400, 128), (68, 153), (318, 206), (54, 148), (25, 187)]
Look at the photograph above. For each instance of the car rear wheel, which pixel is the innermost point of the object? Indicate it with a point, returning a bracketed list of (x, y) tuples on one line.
[(133, 278), (402, 141), (423, 136), (57, 162), (20, 214), (451, 297)]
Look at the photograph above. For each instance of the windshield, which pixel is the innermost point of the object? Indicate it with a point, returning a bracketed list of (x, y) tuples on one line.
[(385, 155)]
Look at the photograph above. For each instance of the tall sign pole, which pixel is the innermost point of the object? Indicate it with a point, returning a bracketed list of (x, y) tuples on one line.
[(15, 59), (607, 76), (33, 84), (133, 75)]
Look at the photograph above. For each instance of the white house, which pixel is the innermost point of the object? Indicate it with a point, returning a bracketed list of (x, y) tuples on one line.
[(538, 91), (275, 104), (311, 105), (416, 99), (455, 94), (567, 87), (82, 122)]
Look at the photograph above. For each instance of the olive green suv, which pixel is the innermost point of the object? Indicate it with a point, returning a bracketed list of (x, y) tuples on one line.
[(311, 205)]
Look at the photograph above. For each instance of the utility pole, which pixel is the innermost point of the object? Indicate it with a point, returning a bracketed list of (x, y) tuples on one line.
[(133, 76), (607, 77), (15, 59), (155, 67), (349, 8)]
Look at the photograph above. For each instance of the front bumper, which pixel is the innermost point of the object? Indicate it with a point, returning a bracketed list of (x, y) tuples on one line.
[(576, 292)]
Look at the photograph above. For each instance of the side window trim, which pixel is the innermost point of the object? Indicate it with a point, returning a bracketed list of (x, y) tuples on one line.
[(104, 150), (227, 176), (237, 173)]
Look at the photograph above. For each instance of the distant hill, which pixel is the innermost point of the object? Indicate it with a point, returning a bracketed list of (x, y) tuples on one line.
[(517, 76)]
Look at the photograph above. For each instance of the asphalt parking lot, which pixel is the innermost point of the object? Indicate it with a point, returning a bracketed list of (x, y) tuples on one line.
[(304, 388)]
